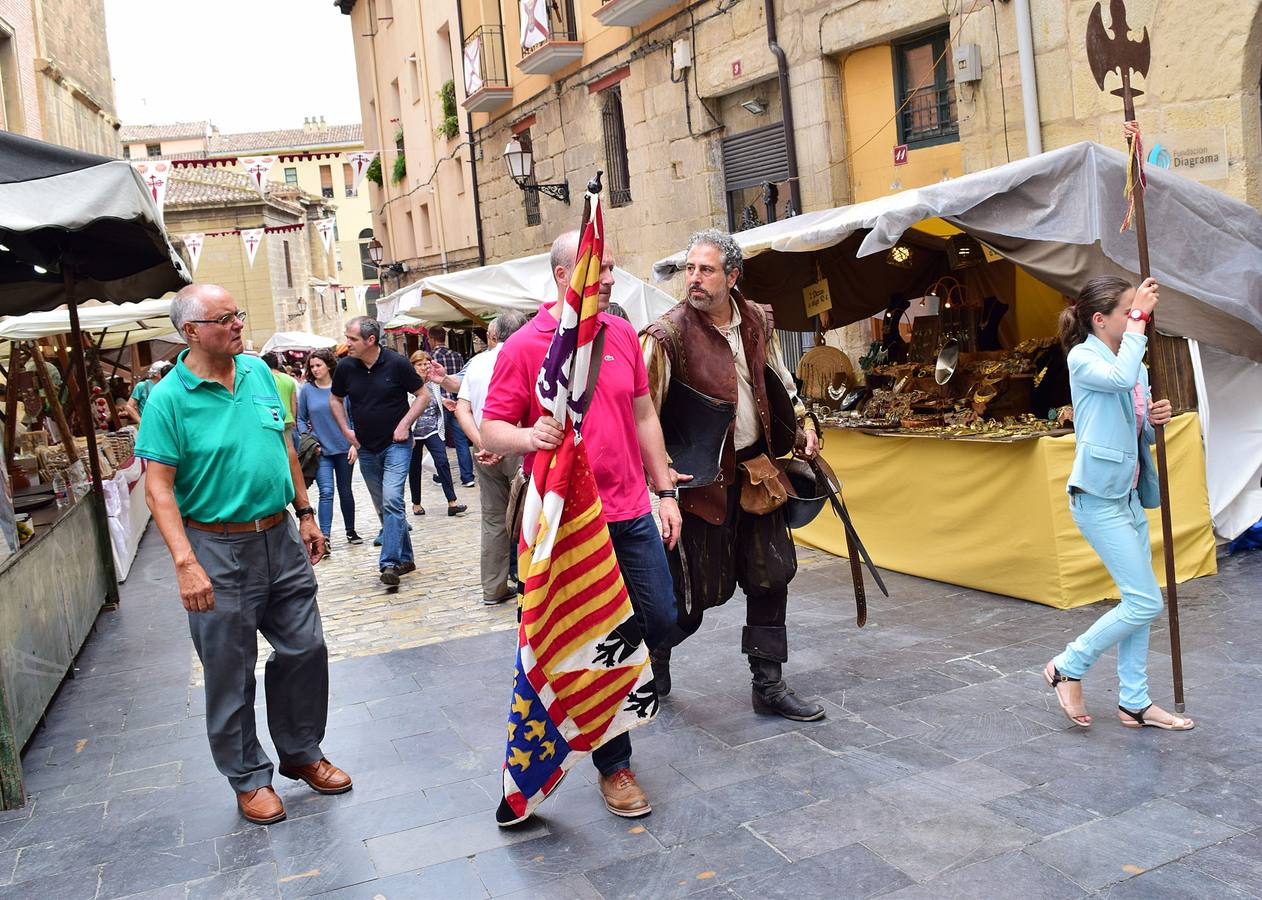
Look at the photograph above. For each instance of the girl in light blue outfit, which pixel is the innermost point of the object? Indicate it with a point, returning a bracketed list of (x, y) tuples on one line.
[(1112, 482)]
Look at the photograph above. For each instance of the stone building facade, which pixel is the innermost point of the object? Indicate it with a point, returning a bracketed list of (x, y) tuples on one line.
[(55, 81), (692, 115), (343, 279), (406, 53), (276, 292)]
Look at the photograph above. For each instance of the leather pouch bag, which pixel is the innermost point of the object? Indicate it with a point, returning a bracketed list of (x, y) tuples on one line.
[(761, 489), (516, 508)]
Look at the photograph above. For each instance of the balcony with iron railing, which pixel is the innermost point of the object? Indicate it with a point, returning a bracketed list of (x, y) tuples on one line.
[(550, 37), (929, 117), (485, 72), (629, 13)]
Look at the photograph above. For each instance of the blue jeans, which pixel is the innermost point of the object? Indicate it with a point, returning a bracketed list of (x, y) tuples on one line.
[(1118, 532), (463, 458), (385, 473), (637, 544), (335, 467), (438, 453)]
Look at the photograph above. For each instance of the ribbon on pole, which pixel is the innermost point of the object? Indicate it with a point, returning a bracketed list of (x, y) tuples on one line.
[(359, 163), (155, 174), (257, 168), (193, 244), (324, 228), (582, 674), (251, 237)]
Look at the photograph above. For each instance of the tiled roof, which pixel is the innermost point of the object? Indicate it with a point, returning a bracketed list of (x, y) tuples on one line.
[(286, 139), (131, 134), (198, 187)]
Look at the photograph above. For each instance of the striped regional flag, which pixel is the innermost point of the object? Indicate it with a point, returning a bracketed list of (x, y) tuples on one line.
[(582, 666)]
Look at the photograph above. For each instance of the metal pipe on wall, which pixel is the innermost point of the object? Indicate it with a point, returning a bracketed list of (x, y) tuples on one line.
[(1029, 79), (786, 106)]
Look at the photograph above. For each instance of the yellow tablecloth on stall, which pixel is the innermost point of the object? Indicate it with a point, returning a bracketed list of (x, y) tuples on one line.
[(995, 516)]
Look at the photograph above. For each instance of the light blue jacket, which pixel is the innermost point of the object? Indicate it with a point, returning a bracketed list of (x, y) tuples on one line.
[(1108, 442)]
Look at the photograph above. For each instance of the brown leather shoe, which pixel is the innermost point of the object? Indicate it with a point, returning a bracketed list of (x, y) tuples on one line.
[(261, 806), (623, 796), (321, 776)]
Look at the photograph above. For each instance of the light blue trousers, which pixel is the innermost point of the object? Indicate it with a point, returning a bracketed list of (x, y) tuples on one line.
[(1118, 532)]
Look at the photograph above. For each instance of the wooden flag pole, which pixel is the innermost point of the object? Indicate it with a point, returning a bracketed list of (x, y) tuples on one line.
[(1119, 53)]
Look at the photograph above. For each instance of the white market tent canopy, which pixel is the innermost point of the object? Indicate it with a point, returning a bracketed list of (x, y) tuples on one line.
[(297, 340), (1058, 215), (121, 323), (520, 284)]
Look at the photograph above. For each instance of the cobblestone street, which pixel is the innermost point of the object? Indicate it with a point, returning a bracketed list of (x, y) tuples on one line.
[(944, 769)]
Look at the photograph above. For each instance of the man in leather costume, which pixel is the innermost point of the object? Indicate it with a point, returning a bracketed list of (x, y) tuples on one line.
[(722, 346)]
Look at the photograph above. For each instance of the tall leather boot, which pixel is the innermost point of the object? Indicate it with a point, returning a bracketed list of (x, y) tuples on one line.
[(660, 661), (767, 647)]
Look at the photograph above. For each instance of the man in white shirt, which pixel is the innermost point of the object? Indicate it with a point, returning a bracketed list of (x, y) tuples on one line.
[(495, 473)]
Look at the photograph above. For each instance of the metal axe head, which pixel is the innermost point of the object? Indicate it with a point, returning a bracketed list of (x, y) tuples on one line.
[(1118, 52)]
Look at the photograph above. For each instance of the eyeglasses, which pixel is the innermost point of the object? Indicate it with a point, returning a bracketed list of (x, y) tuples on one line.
[(225, 320)]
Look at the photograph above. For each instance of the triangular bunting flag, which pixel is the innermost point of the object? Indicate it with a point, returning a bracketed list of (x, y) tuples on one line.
[(361, 295), (251, 237), (324, 227), (193, 244), (257, 168), (155, 175), (359, 163)]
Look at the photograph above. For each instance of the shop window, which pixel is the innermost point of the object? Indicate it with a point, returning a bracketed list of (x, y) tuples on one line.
[(153, 149), (925, 90), (616, 147), (291, 175), (530, 198)]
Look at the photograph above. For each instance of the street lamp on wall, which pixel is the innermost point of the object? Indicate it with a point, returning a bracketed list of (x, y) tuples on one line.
[(521, 163), (377, 254)]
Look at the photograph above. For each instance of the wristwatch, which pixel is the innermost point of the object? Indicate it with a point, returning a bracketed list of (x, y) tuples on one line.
[(1139, 315), (303, 511)]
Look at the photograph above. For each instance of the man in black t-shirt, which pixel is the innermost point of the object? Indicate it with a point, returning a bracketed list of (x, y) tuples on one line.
[(377, 380)]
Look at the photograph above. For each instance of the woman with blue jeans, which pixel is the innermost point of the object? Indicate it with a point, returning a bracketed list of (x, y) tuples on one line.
[(337, 456), (1113, 480), (428, 434)]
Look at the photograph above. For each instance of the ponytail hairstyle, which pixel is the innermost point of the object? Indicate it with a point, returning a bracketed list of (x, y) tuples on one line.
[(1099, 295)]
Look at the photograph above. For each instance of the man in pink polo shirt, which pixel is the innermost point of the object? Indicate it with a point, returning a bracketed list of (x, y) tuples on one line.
[(624, 439)]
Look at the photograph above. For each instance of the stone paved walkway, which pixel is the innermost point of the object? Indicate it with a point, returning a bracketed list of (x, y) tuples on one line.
[(944, 768)]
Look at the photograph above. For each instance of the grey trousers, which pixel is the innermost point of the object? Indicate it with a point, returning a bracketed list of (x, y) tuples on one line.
[(493, 484), (263, 583)]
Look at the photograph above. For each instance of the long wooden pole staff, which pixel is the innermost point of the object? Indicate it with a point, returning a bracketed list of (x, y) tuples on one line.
[(1119, 53)]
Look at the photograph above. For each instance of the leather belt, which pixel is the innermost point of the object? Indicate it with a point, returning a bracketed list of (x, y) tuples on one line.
[(238, 527)]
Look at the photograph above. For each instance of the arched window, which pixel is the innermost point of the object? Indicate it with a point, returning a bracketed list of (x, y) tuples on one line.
[(366, 265)]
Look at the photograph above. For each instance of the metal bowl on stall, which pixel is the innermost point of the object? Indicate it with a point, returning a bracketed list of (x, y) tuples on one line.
[(948, 361)]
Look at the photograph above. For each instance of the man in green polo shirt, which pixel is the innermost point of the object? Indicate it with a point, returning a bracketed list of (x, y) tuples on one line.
[(220, 476)]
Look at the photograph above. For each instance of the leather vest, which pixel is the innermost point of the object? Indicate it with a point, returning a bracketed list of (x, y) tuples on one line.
[(701, 357)]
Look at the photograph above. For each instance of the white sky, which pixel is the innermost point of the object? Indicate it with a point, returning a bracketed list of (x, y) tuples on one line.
[(246, 65)]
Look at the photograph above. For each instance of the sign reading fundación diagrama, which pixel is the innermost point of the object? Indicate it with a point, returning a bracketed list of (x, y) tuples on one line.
[(1200, 154)]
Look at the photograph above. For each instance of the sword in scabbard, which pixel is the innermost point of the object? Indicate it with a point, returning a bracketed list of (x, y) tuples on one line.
[(855, 550)]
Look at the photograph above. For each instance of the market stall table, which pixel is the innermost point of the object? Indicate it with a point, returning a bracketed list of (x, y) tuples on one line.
[(993, 514)]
